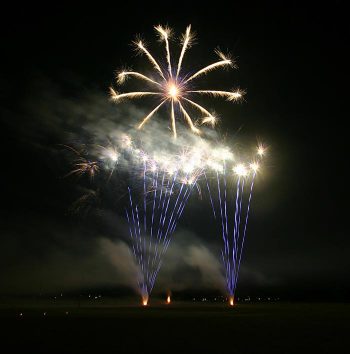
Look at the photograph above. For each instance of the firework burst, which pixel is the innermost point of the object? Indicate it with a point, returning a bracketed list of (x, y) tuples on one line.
[(160, 181), (173, 88), (82, 165), (231, 189)]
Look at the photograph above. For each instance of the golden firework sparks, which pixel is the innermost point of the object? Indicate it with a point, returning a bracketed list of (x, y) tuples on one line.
[(173, 89), (84, 166)]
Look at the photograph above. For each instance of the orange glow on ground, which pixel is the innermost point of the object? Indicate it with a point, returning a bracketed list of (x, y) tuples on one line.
[(145, 301), (232, 301), (168, 299)]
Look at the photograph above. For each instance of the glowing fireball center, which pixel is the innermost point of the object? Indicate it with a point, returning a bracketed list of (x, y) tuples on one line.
[(173, 91)]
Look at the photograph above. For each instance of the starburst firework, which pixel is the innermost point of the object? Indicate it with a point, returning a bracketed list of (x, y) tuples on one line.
[(172, 88)]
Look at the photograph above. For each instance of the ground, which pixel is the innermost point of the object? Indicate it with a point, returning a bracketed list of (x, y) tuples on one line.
[(109, 327)]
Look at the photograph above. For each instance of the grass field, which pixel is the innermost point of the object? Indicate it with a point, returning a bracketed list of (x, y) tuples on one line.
[(109, 327)]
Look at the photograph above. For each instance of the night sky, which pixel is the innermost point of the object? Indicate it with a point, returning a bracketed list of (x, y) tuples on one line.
[(57, 65)]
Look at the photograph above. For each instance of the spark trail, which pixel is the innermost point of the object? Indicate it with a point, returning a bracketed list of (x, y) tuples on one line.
[(230, 194), (153, 210)]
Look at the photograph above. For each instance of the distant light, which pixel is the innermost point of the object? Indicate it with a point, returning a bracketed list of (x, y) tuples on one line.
[(261, 150), (231, 300), (240, 170), (254, 166), (168, 299)]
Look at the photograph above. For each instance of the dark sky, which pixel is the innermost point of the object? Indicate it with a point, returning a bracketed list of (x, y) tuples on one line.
[(57, 64)]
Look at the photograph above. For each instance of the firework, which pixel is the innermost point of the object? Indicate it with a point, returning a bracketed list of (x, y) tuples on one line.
[(155, 206), (161, 182), (229, 181), (160, 186), (173, 88), (82, 165)]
